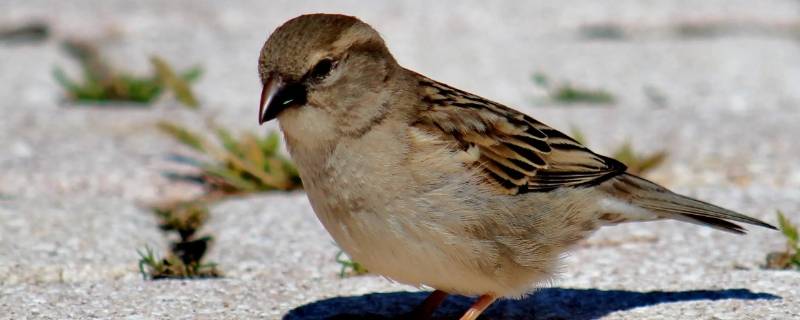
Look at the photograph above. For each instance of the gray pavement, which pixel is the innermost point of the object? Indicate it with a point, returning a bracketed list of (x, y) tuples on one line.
[(74, 180)]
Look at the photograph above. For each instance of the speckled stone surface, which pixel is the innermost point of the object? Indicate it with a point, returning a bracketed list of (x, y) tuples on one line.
[(75, 179)]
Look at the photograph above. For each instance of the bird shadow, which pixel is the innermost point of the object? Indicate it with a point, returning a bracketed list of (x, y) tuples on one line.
[(548, 303)]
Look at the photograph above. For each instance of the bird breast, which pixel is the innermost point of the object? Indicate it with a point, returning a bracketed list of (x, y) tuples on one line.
[(409, 207)]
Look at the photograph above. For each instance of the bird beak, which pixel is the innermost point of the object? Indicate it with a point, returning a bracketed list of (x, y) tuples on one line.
[(279, 94), (269, 107)]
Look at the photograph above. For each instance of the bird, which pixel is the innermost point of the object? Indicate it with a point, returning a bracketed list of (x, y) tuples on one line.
[(436, 187)]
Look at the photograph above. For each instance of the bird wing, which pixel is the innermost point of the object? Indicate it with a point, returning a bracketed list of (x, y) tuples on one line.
[(517, 152)]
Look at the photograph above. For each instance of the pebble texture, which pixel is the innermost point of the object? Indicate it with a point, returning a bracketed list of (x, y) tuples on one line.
[(724, 101)]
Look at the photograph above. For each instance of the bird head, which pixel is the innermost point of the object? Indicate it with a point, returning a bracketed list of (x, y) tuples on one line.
[(323, 75)]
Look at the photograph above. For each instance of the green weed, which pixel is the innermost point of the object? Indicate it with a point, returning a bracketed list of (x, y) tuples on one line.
[(603, 31), (247, 163), (34, 31), (789, 258), (173, 267), (637, 162), (349, 267), (186, 254), (567, 93), (102, 83), (185, 218)]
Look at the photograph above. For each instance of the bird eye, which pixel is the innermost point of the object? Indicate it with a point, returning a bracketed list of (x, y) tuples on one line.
[(322, 69)]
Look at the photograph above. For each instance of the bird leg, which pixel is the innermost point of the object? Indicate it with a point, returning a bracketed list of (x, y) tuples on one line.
[(426, 309), (483, 302)]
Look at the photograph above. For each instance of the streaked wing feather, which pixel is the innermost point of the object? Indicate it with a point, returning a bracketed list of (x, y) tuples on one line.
[(516, 151)]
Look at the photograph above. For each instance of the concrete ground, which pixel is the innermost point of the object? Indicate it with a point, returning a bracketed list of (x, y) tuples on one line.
[(715, 83)]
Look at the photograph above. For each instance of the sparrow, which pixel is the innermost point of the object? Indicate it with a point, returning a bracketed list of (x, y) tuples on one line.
[(429, 185)]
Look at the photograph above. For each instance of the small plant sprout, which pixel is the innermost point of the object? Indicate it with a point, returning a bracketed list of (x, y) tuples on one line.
[(578, 135), (102, 83), (567, 93), (148, 263), (172, 267), (636, 162), (186, 254), (177, 83), (603, 31), (349, 267), (33, 31), (247, 163), (789, 258), (185, 218)]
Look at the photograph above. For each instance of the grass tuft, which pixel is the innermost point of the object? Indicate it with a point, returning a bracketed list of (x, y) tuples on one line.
[(242, 164), (349, 267), (177, 83), (567, 93), (185, 218), (102, 83), (790, 257), (173, 267), (34, 31), (701, 29), (603, 31), (186, 254), (637, 162)]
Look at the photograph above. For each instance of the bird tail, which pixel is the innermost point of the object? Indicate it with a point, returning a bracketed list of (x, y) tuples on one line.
[(660, 203)]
